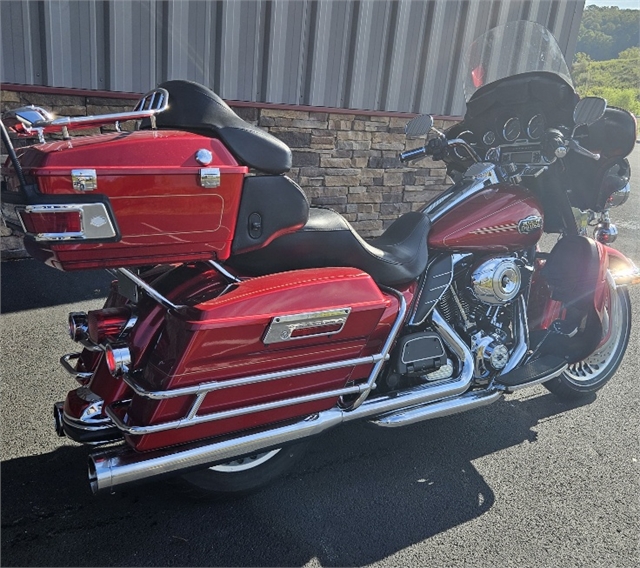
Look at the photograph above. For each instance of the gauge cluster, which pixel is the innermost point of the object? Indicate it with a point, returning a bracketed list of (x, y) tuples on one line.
[(510, 134), (510, 128)]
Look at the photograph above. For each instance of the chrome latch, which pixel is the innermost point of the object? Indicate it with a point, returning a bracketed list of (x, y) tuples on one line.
[(210, 177), (84, 180)]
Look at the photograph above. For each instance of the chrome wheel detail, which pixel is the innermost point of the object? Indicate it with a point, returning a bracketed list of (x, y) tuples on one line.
[(247, 462), (590, 370), (244, 474), (592, 373)]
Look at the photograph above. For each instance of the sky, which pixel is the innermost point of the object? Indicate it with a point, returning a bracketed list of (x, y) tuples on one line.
[(633, 4)]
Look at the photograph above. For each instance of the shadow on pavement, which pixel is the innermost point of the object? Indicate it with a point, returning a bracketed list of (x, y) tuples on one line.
[(360, 495), (29, 284)]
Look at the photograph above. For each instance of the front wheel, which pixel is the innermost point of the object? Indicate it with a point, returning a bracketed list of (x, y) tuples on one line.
[(591, 374), (245, 474)]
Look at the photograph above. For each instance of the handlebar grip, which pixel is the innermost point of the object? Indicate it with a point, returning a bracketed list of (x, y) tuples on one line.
[(415, 154)]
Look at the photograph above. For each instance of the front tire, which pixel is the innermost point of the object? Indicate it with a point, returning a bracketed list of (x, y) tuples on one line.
[(243, 475), (592, 373)]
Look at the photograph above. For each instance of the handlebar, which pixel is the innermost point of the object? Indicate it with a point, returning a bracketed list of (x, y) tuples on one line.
[(438, 145), (415, 154)]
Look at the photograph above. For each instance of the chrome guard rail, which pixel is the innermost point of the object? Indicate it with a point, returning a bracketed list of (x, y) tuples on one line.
[(65, 361), (150, 105), (201, 390)]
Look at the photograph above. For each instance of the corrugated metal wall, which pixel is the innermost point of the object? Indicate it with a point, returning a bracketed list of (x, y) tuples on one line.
[(397, 55)]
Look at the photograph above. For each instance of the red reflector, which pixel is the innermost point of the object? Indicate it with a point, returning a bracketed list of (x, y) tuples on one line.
[(107, 324), (111, 361), (52, 222)]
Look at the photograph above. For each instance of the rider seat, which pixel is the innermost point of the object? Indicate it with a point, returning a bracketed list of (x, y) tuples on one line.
[(397, 257)]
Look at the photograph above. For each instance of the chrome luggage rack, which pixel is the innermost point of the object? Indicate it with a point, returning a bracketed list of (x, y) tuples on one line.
[(32, 121), (201, 390)]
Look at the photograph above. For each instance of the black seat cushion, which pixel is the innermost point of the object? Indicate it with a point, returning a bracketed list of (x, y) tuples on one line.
[(397, 257), (194, 108)]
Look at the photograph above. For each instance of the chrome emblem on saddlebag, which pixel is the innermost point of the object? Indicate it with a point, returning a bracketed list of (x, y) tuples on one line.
[(530, 224), (302, 326)]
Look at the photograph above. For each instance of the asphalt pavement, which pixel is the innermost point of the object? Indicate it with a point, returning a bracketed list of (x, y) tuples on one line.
[(526, 482)]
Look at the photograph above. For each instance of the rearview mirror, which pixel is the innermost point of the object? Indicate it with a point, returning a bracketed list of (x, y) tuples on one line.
[(419, 126), (589, 110)]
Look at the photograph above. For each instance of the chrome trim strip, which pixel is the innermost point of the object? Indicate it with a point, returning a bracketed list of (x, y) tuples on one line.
[(282, 328), (148, 289)]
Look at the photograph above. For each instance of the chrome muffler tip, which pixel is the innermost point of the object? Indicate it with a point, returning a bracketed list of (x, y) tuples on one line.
[(78, 326), (58, 412)]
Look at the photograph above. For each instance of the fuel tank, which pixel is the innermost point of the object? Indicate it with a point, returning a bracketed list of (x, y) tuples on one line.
[(500, 218)]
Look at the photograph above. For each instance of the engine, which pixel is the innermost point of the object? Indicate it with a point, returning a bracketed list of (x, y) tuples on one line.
[(496, 281), (481, 305)]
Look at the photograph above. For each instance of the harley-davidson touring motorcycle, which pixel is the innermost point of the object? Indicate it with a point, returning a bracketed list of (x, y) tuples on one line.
[(241, 322)]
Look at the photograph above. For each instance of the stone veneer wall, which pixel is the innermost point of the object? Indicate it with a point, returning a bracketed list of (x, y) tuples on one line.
[(348, 162)]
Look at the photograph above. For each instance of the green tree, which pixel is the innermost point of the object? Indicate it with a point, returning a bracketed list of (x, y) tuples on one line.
[(606, 31)]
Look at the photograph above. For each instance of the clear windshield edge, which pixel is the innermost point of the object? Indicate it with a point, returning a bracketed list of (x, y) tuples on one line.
[(512, 49)]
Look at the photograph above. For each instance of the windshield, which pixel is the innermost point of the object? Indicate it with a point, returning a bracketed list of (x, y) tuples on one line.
[(512, 49)]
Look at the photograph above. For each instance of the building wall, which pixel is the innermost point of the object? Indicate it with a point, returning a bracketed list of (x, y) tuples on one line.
[(394, 55)]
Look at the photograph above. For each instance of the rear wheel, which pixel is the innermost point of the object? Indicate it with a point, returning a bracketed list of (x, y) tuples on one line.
[(244, 474), (592, 373)]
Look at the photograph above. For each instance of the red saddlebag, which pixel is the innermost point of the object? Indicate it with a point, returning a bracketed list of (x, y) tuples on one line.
[(223, 348)]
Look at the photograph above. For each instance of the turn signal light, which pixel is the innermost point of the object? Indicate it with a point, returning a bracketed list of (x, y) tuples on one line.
[(107, 324), (118, 359)]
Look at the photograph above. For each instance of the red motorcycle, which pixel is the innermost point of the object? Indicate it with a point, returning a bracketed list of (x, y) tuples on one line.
[(241, 321)]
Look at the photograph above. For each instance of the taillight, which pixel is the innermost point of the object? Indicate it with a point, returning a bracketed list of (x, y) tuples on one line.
[(67, 222), (64, 222), (107, 324), (118, 358)]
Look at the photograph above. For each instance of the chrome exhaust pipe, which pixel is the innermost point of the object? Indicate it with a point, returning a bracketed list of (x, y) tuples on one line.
[(119, 466), (474, 399)]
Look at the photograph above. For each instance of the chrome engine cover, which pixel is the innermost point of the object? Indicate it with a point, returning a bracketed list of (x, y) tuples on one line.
[(497, 281)]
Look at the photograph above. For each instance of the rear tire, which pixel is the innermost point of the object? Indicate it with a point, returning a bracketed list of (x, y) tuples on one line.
[(243, 475), (592, 373)]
